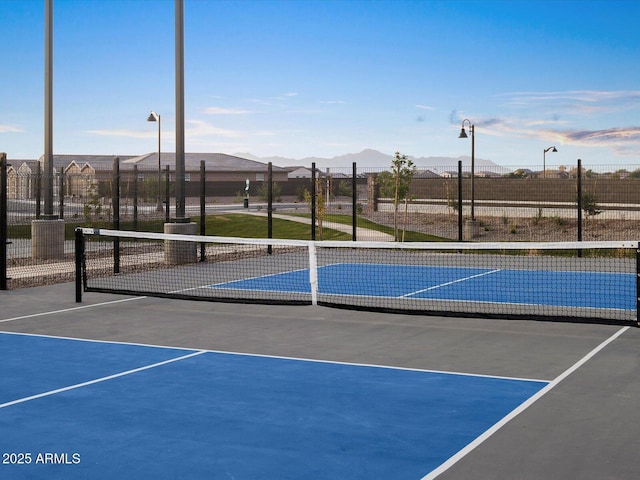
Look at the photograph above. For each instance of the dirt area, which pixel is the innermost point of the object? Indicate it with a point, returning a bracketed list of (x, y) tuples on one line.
[(503, 229)]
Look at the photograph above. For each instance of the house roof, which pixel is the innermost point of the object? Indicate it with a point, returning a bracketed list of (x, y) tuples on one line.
[(215, 162)]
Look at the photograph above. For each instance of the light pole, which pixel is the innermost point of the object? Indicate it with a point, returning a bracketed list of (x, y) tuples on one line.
[(154, 117), (463, 134), (544, 160)]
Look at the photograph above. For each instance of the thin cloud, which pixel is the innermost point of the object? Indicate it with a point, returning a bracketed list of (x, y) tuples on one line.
[(332, 102), (10, 129), (225, 111), (425, 107), (199, 128), (123, 133)]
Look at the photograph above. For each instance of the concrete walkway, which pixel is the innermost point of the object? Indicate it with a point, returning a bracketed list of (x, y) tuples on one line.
[(362, 234)]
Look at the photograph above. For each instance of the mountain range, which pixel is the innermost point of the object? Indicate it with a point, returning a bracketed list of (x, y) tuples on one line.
[(373, 158)]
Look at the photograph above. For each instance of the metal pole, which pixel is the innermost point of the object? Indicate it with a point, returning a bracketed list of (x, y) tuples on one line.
[(135, 197), (179, 66), (203, 207), (48, 109), (269, 204), (459, 200), (354, 202), (115, 196), (473, 169), (579, 200), (159, 200), (313, 201), (3, 221)]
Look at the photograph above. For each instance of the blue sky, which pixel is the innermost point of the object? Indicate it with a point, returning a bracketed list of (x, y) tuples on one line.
[(302, 78)]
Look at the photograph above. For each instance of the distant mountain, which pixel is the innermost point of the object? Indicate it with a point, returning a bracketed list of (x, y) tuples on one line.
[(374, 159)]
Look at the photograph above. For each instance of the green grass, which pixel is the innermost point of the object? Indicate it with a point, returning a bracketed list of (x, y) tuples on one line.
[(247, 226), (229, 225)]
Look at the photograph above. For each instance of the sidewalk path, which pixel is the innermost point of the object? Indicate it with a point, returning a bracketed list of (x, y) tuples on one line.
[(362, 234)]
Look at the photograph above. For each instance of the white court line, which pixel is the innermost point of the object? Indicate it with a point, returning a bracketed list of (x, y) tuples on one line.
[(98, 380), (283, 357), (450, 283), (485, 436), (64, 310)]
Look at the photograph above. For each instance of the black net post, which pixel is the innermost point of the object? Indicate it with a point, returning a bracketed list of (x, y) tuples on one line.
[(638, 285), (459, 200), (354, 201), (203, 207), (115, 202), (79, 256), (3, 221), (313, 201)]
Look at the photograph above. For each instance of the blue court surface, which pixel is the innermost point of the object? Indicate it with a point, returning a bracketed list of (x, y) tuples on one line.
[(79, 409), (503, 286)]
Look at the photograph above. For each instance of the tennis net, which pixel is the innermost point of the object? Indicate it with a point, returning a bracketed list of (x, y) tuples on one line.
[(579, 281)]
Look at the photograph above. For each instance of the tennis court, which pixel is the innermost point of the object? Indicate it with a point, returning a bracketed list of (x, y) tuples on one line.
[(138, 387)]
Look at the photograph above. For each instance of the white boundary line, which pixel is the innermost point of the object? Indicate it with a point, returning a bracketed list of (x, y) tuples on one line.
[(98, 380), (478, 441), (282, 357), (64, 310)]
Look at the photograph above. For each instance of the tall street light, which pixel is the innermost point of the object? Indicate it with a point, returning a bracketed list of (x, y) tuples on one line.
[(154, 117), (544, 160), (463, 134)]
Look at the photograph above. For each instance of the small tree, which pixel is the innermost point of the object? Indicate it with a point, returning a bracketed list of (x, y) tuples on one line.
[(321, 204), (396, 183)]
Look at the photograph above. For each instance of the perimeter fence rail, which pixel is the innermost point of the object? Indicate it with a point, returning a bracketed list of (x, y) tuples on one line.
[(573, 203), (568, 281)]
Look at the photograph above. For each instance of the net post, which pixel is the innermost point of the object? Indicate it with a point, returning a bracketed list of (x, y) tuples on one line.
[(79, 254), (637, 284), (313, 272)]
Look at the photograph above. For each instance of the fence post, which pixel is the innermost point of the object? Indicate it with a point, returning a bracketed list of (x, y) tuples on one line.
[(354, 202), (313, 201), (269, 205), (135, 197), (38, 189), (459, 200), (61, 196), (579, 200), (3, 221), (203, 207), (115, 202), (167, 196)]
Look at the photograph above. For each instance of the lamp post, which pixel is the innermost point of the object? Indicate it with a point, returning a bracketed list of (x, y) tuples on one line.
[(544, 160), (154, 117), (463, 134)]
